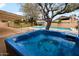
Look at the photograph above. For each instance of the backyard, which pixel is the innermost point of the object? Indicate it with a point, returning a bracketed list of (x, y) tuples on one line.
[(43, 31), (6, 31)]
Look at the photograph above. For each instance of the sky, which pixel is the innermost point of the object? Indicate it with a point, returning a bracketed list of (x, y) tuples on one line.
[(11, 7), (15, 8)]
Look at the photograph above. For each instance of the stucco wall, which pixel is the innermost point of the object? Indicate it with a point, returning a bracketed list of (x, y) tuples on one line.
[(65, 24)]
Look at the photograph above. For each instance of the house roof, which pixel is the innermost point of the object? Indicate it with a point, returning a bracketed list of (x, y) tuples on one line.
[(63, 18), (66, 18)]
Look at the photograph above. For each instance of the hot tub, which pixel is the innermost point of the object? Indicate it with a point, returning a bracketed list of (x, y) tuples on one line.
[(43, 43)]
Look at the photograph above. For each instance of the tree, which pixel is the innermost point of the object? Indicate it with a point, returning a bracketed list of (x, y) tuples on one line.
[(55, 9), (31, 12)]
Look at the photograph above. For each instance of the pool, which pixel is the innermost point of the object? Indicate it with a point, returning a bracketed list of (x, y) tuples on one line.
[(55, 28), (43, 43)]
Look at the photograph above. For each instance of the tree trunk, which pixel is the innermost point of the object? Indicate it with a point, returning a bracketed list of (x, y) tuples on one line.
[(48, 24)]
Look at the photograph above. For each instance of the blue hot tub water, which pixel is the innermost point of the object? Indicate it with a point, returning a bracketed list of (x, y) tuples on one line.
[(46, 43)]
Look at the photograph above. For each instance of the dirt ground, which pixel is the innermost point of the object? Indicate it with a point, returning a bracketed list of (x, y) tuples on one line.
[(6, 32)]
